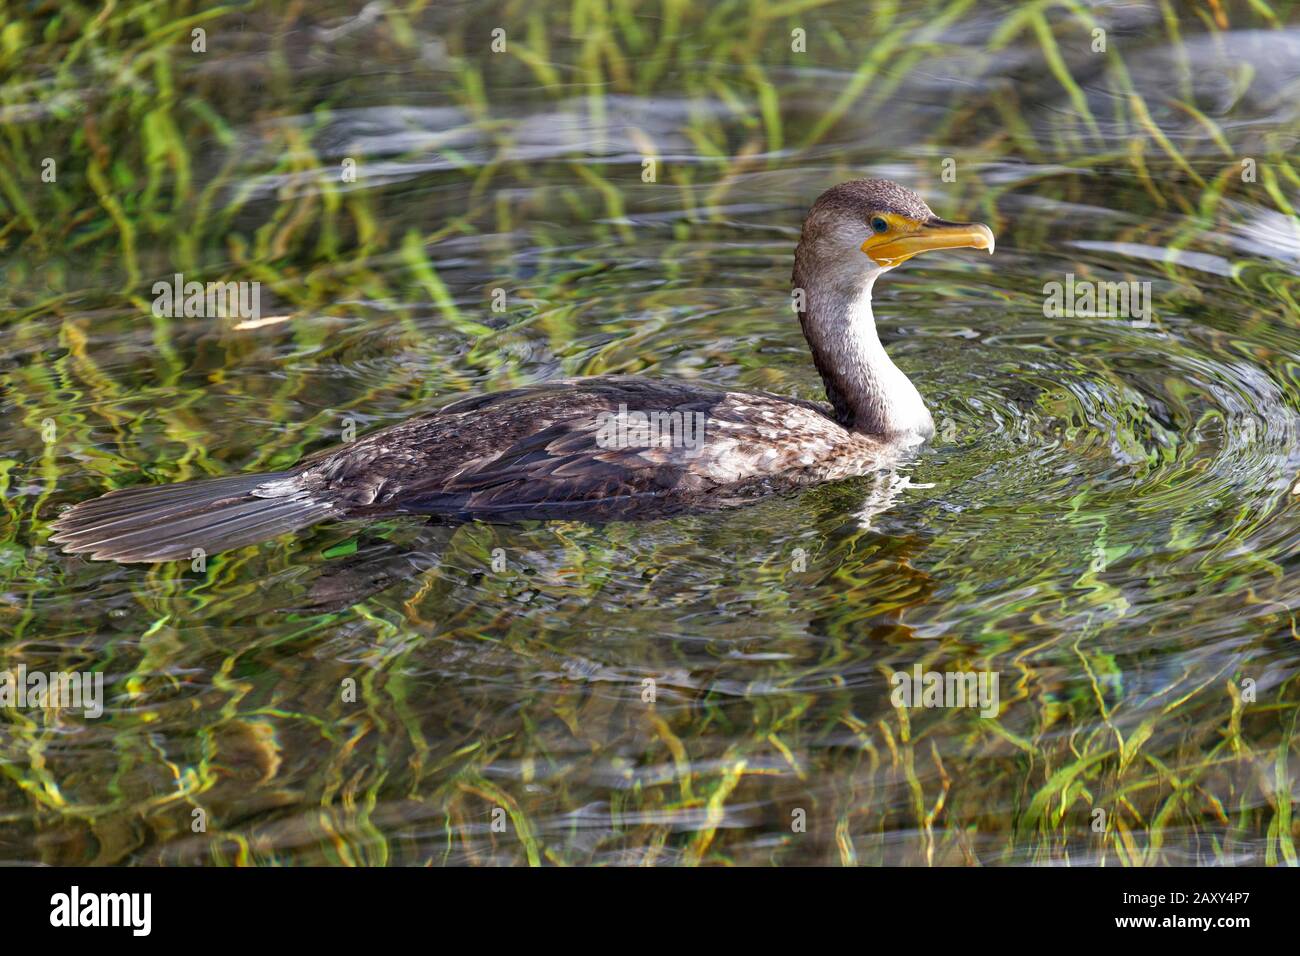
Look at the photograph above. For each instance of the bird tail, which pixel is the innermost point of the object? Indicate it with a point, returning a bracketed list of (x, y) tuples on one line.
[(171, 522)]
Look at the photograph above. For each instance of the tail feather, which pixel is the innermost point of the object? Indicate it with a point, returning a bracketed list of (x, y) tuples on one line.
[(168, 522)]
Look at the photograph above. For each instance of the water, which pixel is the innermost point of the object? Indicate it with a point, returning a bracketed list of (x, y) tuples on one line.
[(1105, 520)]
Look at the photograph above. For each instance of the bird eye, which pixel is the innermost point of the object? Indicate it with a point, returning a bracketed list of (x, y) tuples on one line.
[(879, 224)]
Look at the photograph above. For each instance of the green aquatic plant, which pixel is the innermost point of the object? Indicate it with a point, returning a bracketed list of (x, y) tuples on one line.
[(1098, 533)]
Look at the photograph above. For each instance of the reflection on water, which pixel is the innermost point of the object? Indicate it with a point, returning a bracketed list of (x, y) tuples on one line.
[(1106, 518)]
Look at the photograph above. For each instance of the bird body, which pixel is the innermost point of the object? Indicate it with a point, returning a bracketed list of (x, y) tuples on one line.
[(573, 448), (602, 447)]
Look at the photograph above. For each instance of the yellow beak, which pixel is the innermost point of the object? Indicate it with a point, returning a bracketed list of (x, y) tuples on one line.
[(890, 250)]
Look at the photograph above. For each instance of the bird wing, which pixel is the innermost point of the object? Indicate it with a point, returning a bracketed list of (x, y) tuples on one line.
[(549, 447)]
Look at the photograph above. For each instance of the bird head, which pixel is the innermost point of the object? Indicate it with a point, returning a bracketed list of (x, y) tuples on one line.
[(887, 222)]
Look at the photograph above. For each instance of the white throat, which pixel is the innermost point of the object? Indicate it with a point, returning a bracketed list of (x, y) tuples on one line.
[(862, 381)]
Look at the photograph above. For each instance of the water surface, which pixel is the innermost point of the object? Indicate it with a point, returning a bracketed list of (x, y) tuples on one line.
[(1106, 518)]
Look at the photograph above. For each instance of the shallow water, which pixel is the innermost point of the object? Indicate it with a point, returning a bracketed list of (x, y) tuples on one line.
[(1106, 519)]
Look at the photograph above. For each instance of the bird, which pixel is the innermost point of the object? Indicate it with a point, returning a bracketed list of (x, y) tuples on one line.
[(603, 447)]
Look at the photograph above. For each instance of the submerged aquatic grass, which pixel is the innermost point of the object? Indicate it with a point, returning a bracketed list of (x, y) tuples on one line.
[(1106, 518)]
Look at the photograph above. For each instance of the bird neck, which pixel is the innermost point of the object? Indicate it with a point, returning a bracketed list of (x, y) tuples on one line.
[(868, 392)]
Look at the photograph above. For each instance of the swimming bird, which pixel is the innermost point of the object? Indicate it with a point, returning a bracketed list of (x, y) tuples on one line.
[(599, 447)]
